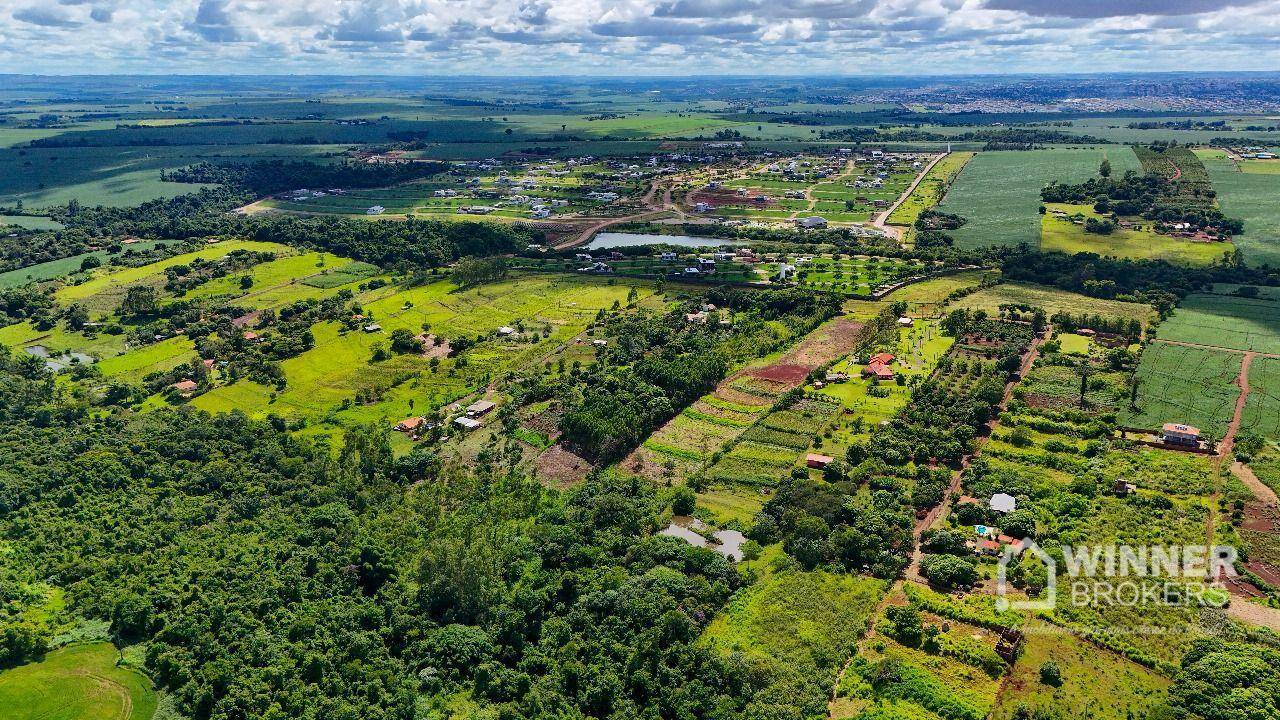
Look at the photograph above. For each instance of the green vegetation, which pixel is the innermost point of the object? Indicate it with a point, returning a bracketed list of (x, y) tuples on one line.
[(998, 193), (932, 188), (1063, 229), (78, 682), (1250, 197), (1185, 385)]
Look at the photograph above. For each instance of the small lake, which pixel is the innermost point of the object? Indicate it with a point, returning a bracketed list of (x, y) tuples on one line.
[(727, 542), (54, 364), (606, 240)]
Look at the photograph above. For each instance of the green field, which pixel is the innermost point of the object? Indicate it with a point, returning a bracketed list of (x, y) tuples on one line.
[(1053, 301), (999, 192), (58, 268), (1252, 198), (1095, 683), (79, 682), (1060, 234), (1185, 385), (1228, 321), (31, 222), (1261, 414)]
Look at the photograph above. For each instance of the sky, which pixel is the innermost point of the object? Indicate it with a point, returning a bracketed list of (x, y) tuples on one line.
[(636, 37)]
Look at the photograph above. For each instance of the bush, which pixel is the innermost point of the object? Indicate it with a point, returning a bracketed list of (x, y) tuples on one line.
[(1051, 674)]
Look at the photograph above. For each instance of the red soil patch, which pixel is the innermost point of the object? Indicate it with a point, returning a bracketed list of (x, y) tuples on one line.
[(826, 344), (783, 373), (721, 198), (1269, 573), (559, 466), (430, 349)]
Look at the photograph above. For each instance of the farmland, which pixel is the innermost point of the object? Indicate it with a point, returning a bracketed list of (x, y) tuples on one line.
[(1053, 301), (1185, 385), (998, 193), (932, 188), (1222, 319)]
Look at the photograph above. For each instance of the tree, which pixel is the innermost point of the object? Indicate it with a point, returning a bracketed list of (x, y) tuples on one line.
[(1104, 168), (139, 300), (685, 501), (403, 341), (949, 571), (1050, 673)]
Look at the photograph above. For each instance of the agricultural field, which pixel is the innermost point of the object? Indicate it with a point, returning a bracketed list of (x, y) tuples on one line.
[(998, 192), (1250, 197), (78, 682), (1062, 230), (1185, 385), (1225, 319), (1261, 414)]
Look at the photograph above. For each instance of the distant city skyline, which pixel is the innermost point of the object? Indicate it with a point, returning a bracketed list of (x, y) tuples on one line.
[(637, 37)]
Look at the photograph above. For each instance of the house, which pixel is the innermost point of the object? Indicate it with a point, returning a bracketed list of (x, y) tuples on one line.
[(988, 547), (702, 207), (373, 328), (375, 210), (480, 407), (878, 371), (785, 272), (667, 257), (185, 387), (706, 265), (251, 336), (599, 343), (905, 321), (584, 257), (814, 460), (1003, 503), (467, 423), (880, 359), (409, 425), (700, 316), (207, 362), (1179, 434), (837, 377), (504, 330), (811, 222), (692, 272)]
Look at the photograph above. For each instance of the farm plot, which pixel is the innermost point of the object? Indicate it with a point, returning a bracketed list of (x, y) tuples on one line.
[(1261, 414), (998, 192), (1095, 683), (1185, 385), (860, 276), (767, 452), (692, 440), (1252, 198), (61, 268), (1229, 321)]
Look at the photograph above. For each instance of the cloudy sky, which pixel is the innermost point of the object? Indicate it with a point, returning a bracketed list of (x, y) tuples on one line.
[(612, 37)]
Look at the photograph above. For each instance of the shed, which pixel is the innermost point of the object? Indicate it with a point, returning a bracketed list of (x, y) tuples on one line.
[(480, 407), (814, 460), (467, 423)]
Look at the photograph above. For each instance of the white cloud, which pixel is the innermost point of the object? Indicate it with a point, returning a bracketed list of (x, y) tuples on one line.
[(525, 37)]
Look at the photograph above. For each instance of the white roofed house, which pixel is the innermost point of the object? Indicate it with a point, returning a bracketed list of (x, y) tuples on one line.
[(1003, 503), (811, 222), (375, 210)]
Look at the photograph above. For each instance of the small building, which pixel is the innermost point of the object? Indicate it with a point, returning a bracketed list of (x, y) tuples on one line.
[(667, 257), (880, 359), (878, 371), (1123, 488), (988, 547), (1179, 434), (1003, 503), (599, 343), (251, 336), (185, 387), (467, 423), (480, 408), (409, 425), (905, 321), (375, 210), (505, 330), (373, 328), (816, 461), (813, 222), (837, 377)]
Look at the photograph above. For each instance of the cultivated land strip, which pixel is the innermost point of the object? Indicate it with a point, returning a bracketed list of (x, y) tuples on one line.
[(894, 230)]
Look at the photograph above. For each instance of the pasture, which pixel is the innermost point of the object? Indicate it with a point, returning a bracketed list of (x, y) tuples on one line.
[(1060, 233), (998, 192), (63, 267), (1053, 301), (336, 384), (78, 682)]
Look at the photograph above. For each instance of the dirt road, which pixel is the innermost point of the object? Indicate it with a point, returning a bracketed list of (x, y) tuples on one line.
[(1242, 380), (879, 220)]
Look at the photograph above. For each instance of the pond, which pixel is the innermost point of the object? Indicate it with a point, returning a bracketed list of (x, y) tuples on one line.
[(727, 542), (606, 240), (54, 364)]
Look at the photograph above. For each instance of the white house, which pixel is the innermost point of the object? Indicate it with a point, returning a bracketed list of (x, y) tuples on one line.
[(1003, 503), (813, 221), (375, 210)]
